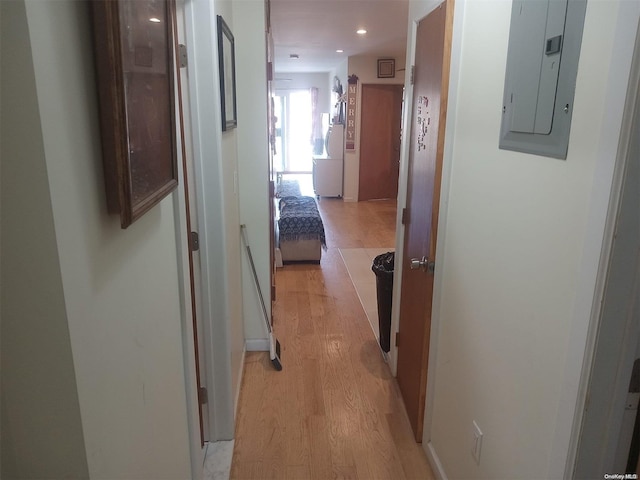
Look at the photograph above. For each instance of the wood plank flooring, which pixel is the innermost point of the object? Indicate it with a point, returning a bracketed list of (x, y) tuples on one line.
[(334, 411)]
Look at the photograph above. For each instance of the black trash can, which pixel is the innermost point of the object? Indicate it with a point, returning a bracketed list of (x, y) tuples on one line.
[(383, 268)]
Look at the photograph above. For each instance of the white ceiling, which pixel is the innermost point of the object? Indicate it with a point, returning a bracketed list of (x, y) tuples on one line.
[(315, 29)]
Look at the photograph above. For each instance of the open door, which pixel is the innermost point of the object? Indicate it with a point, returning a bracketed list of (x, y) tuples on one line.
[(420, 216), (271, 125), (184, 129)]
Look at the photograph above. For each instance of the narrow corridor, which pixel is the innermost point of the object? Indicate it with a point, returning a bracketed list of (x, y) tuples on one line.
[(334, 411)]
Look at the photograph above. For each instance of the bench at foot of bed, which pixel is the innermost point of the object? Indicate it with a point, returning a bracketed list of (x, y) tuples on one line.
[(300, 230), (301, 251)]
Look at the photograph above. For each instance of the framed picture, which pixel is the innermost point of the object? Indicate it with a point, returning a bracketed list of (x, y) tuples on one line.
[(386, 68), (133, 47), (227, 65)]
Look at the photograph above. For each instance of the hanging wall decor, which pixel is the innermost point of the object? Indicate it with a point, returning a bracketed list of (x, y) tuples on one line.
[(386, 68), (135, 70), (352, 100), (227, 65)]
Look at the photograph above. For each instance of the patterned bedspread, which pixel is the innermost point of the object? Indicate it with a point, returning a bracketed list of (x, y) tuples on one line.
[(300, 220)]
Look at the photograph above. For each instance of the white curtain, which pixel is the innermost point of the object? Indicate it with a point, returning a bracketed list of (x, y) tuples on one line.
[(316, 123)]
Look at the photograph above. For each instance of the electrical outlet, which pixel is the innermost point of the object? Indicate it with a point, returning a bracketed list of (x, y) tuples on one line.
[(477, 442)]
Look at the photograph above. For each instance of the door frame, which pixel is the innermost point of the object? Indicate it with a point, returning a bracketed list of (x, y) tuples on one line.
[(611, 400), (206, 138), (181, 208), (599, 229)]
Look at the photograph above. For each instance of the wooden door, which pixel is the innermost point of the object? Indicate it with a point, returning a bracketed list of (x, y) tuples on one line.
[(431, 81), (380, 141)]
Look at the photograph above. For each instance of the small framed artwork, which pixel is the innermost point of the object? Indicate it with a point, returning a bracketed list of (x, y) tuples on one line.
[(227, 65), (386, 68), (133, 46)]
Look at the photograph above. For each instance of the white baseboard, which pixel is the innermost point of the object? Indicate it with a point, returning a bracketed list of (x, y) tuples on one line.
[(257, 345), (434, 461)]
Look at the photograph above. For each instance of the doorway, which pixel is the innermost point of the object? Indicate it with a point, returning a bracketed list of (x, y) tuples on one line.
[(609, 442)]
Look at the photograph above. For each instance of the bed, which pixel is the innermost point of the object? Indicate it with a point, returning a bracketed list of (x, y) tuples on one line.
[(300, 231)]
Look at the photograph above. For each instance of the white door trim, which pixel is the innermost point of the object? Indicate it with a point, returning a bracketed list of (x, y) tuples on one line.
[(605, 450), (447, 166), (197, 451), (200, 19)]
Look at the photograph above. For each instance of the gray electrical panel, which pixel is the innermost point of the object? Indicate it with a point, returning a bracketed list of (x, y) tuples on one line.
[(542, 64)]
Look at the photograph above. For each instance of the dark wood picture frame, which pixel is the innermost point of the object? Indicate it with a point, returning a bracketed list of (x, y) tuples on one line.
[(227, 66), (133, 46), (386, 68)]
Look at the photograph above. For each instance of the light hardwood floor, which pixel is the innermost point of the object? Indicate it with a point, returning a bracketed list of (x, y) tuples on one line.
[(334, 411)]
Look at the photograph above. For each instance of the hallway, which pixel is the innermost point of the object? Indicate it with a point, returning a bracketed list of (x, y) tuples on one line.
[(335, 410)]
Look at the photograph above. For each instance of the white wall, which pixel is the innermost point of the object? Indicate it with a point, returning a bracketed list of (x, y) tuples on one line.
[(366, 68), (233, 174), (521, 250), (121, 288), (253, 160), (231, 213), (41, 426), (341, 71), (215, 161)]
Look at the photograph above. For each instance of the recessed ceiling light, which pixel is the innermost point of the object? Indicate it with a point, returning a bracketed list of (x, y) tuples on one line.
[(339, 51), (362, 31), (154, 20)]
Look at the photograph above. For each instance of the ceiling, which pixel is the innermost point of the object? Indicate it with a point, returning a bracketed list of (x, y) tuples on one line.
[(315, 29)]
